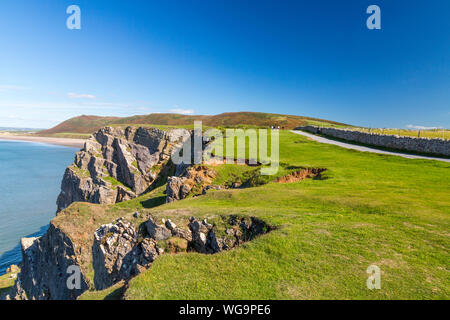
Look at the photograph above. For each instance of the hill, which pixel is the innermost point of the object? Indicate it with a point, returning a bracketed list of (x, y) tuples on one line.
[(82, 124), (88, 124)]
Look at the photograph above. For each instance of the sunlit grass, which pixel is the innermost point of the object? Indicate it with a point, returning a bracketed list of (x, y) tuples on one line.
[(367, 209)]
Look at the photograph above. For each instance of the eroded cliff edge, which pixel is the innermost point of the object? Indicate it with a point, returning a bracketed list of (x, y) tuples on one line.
[(108, 244), (115, 165)]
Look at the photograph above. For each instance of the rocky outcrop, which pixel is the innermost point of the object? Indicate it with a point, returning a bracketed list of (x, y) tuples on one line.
[(45, 268), (194, 180), (120, 253), (231, 232), (116, 165), (119, 164)]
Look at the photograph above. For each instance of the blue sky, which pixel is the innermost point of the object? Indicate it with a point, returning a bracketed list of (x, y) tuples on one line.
[(312, 58)]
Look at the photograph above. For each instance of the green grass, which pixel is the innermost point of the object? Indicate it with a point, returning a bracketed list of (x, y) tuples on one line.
[(80, 172), (432, 133), (114, 292), (6, 282), (115, 182), (368, 209), (327, 124)]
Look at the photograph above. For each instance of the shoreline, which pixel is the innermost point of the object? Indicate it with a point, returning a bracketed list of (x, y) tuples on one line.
[(66, 142)]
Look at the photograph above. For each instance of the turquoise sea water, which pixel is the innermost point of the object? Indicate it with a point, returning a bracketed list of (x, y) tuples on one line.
[(30, 180)]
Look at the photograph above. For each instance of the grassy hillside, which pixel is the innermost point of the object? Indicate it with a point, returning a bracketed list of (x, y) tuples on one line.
[(80, 125), (90, 124), (367, 209)]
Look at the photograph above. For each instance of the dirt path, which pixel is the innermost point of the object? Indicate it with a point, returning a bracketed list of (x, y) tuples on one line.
[(364, 149)]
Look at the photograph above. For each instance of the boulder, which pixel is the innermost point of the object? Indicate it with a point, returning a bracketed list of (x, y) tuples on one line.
[(157, 232), (195, 177)]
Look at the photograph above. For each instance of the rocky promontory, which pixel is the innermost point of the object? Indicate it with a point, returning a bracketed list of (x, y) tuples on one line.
[(119, 164), (116, 165)]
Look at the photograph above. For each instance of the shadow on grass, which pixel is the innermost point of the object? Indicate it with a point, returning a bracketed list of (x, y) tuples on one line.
[(153, 202), (116, 294)]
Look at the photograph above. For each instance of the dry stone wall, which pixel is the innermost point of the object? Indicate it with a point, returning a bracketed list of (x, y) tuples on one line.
[(422, 145)]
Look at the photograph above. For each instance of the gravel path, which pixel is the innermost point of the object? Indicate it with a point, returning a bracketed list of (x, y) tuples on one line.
[(365, 149)]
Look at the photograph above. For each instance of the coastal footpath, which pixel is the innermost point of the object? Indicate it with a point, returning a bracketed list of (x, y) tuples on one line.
[(437, 147)]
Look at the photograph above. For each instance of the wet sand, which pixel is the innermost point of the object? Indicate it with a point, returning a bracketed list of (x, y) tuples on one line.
[(74, 143)]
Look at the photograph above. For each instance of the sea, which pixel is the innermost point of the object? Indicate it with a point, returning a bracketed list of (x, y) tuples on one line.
[(30, 181)]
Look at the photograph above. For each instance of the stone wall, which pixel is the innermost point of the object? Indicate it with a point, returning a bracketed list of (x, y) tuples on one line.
[(422, 145)]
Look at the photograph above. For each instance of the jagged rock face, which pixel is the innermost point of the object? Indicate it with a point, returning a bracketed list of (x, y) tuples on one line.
[(158, 232), (44, 268), (195, 177), (118, 254), (209, 239), (118, 164)]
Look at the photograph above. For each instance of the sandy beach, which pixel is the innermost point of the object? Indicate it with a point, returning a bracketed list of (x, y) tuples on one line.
[(74, 143)]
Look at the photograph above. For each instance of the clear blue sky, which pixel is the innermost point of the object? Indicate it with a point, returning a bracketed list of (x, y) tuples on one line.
[(312, 58)]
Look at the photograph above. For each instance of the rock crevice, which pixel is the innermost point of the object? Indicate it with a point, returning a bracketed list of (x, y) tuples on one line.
[(120, 252)]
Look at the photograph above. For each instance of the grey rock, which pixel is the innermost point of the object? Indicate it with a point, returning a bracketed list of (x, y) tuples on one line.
[(170, 225), (157, 232), (44, 268), (176, 189), (119, 255), (134, 157), (205, 240), (179, 188), (212, 187)]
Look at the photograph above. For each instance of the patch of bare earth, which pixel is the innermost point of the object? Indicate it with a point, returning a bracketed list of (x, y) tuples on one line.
[(308, 173)]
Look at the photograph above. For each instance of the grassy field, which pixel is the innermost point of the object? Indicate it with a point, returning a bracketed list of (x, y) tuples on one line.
[(367, 209), (432, 133)]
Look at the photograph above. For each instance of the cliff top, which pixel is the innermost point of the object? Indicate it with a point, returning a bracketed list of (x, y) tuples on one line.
[(328, 232)]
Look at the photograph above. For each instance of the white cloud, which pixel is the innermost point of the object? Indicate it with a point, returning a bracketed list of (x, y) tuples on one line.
[(7, 87), (410, 126), (182, 111), (72, 95)]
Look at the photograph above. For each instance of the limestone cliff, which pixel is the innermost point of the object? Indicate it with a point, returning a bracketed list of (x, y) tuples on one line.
[(115, 165), (44, 268), (118, 164)]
